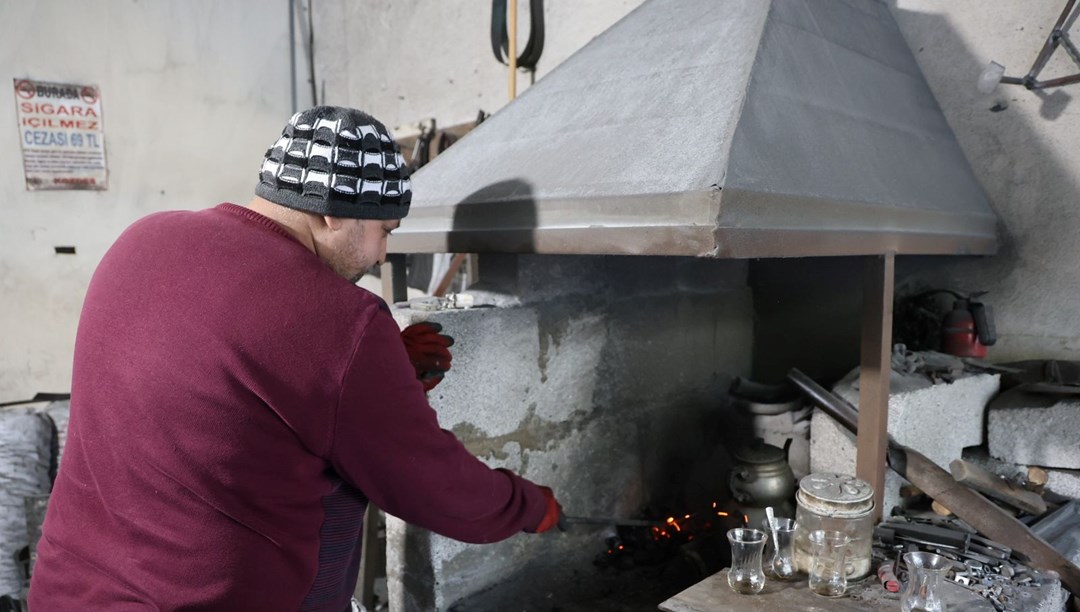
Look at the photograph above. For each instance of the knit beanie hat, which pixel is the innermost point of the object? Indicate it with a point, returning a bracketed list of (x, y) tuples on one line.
[(338, 162)]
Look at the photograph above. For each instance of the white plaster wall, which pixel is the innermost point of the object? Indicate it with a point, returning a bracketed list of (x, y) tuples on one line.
[(411, 60), (193, 92), (1027, 157)]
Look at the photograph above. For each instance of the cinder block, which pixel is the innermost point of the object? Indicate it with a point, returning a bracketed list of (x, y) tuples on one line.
[(938, 420), (832, 449), (1035, 434), (1064, 482), (25, 455)]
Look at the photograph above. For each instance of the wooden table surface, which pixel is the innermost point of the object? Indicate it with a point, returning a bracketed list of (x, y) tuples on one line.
[(714, 595)]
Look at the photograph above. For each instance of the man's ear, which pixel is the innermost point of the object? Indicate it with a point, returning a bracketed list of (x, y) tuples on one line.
[(334, 223)]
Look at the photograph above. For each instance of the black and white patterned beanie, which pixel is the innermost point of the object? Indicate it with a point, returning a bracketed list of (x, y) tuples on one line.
[(338, 162)]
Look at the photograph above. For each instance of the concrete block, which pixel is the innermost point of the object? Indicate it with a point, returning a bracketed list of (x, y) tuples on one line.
[(1065, 483), (937, 420), (24, 471), (832, 449), (1033, 429)]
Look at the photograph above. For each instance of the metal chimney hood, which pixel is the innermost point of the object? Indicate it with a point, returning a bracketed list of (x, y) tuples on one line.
[(714, 128)]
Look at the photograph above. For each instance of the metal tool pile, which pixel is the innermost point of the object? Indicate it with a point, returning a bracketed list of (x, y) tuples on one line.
[(985, 567), (978, 513)]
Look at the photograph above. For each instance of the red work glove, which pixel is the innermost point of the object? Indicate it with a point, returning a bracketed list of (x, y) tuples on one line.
[(551, 513), (428, 352)]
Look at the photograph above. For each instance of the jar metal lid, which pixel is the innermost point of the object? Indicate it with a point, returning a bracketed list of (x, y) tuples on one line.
[(832, 494)]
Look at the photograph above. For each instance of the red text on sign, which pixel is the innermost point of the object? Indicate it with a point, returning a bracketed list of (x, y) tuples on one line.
[(54, 109)]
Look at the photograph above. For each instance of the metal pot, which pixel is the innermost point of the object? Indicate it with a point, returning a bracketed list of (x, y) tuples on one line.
[(762, 477)]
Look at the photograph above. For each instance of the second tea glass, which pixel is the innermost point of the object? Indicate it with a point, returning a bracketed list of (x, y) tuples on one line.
[(780, 552)]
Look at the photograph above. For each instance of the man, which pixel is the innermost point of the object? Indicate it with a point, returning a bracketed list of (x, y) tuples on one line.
[(237, 400)]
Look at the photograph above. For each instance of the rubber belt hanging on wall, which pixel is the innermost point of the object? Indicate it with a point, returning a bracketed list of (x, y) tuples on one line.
[(500, 42)]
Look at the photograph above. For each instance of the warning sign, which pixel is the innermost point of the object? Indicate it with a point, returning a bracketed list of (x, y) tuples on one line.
[(63, 141)]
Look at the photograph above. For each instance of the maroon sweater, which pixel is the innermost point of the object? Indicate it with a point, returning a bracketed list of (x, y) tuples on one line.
[(234, 405)]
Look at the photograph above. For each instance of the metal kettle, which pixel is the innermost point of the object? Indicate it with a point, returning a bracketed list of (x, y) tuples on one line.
[(762, 477)]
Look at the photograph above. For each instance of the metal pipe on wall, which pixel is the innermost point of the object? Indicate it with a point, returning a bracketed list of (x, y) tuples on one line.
[(511, 53), (292, 56)]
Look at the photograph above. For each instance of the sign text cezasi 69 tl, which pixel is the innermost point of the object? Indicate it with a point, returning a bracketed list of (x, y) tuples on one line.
[(63, 141)]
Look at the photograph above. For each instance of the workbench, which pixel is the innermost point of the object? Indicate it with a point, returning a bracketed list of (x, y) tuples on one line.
[(867, 595)]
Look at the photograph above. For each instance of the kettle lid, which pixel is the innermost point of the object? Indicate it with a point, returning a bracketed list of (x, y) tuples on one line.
[(758, 452)]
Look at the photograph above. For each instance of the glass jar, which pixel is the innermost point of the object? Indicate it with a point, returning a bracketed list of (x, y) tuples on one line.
[(828, 501)]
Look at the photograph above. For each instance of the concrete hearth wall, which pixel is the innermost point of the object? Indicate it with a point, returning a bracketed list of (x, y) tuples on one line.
[(605, 379)]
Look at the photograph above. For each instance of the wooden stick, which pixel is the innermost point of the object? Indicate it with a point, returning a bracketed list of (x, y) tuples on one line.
[(1036, 479), (455, 265), (996, 487), (939, 509)]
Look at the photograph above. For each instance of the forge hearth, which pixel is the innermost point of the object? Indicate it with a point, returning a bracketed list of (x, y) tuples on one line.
[(634, 569), (602, 377)]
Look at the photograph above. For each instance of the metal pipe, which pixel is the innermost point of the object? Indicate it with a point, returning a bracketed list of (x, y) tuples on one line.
[(1068, 23), (764, 393), (311, 51), (1067, 80), (292, 55), (1051, 42), (1070, 48), (590, 520), (511, 51), (833, 405)]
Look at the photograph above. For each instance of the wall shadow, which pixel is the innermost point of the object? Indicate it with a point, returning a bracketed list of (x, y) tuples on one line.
[(1029, 183), (808, 310), (498, 222), (500, 217)]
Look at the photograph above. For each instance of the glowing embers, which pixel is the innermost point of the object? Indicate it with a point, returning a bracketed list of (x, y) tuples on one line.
[(693, 542)]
